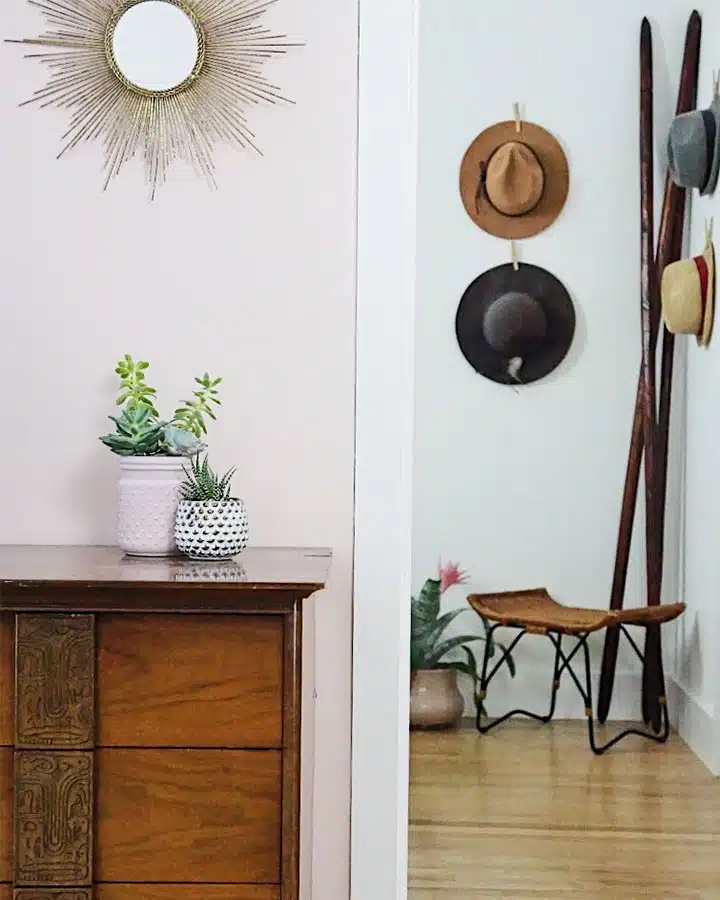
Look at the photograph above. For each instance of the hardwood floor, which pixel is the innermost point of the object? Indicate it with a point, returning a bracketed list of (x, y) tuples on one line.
[(528, 813)]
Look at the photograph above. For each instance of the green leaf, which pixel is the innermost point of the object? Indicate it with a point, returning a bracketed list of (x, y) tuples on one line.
[(445, 647), (435, 630), (458, 665), (427, 604)]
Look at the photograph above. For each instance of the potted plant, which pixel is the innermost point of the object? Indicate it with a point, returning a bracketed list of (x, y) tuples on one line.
[(210, 524), (152, 453), (436, 659)]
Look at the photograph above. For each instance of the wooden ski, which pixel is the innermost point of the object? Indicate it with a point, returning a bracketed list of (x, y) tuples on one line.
[(668, 251)]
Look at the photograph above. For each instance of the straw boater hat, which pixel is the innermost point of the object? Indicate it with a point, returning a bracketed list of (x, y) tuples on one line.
[(514, 179), (687, 292), (515, 326)]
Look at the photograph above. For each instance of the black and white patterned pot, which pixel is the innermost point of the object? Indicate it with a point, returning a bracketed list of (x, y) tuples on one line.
[(211, 529)]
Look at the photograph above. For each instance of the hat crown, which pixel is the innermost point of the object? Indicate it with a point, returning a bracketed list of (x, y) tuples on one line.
[(683, 303), (514, 323), (515, 179)]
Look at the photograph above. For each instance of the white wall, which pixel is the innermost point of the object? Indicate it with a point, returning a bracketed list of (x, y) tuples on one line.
[(524, 488), (698, 670), (254, 282)]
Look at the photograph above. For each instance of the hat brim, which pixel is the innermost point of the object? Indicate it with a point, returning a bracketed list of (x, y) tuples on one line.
[(709, 317), (712, 181), (557, 180), (559, 312)]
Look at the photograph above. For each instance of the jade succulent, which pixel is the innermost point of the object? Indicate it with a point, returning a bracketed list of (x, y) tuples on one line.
[(139, 429), (431, 647), (201, 482)]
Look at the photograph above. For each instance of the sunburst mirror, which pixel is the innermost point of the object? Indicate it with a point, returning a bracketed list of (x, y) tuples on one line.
[(168, 79)]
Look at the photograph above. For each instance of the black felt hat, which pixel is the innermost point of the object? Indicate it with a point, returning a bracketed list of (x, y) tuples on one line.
[(515, 325)]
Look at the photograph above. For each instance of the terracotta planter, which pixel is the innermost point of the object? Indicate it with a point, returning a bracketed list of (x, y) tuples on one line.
[(435, 699)]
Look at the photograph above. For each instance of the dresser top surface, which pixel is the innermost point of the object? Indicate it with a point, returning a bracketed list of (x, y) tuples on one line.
[(257, 568)]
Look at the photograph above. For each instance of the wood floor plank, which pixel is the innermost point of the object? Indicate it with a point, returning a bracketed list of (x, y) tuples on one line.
[(529, 812)]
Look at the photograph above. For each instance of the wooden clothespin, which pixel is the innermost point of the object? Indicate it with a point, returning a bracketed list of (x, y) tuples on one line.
[(514, 254), (517, 117), (709, 223), (716, 82)]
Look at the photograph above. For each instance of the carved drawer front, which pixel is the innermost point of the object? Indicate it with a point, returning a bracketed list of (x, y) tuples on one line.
[(54, 682), (188, 816), (6, 828), (186, 892), (6, 682), (190, 681), (53, 818), (54, 724)]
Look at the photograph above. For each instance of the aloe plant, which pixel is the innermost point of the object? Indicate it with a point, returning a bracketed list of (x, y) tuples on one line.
[(430, 647), (201, 483), (139, 429)]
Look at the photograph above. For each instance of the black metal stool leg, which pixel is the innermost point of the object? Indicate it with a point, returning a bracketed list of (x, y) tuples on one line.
[(563, 663)]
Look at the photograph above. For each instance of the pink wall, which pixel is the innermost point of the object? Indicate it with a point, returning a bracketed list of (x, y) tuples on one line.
[(254, 282)]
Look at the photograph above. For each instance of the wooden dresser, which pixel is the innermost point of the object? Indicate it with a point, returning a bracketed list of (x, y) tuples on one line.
[(150, 724)]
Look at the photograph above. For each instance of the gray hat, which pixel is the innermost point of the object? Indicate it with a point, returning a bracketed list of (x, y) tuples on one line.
[(693, 148)]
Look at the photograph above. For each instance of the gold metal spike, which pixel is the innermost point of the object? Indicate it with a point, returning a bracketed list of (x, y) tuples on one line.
[(184, 123)]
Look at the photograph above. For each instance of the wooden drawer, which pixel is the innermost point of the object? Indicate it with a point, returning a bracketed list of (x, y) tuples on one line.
[(186, 892), (190, 681), (188, 816), (6, 816), (7, 656)]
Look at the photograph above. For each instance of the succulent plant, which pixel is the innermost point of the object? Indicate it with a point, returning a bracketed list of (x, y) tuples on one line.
[(429, 647), (139, 429), (138, 432), (190, 415), (179, 442), (201, 483)]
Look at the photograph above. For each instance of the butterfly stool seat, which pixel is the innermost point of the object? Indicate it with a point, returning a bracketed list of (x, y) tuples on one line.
[(535, 612)]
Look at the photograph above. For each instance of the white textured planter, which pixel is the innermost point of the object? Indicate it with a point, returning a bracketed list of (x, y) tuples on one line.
[(211, 529), (148, 496)]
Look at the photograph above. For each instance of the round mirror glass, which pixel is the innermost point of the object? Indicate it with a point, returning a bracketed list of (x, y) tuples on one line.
[(155, 45)]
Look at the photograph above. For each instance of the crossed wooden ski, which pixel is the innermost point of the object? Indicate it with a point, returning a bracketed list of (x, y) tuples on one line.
[(651, 421)]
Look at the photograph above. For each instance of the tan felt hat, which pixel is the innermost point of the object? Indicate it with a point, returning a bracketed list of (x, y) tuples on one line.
[(687, 292), (514, 179)]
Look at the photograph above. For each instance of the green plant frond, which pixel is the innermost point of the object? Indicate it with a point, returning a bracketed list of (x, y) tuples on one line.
[(201, 483), (427, 603), (436, 629), (446, 646)]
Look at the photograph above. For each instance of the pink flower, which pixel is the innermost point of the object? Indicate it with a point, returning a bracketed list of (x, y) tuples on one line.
[(451, 574)]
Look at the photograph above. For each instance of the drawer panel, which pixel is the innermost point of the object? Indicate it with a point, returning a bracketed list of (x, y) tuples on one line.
[(5, 892), (7, 657), (190, 681), (186, 892), (6, 807), (188, 816)]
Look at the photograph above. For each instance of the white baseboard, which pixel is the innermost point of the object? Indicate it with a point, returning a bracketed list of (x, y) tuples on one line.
[(696, 725)]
